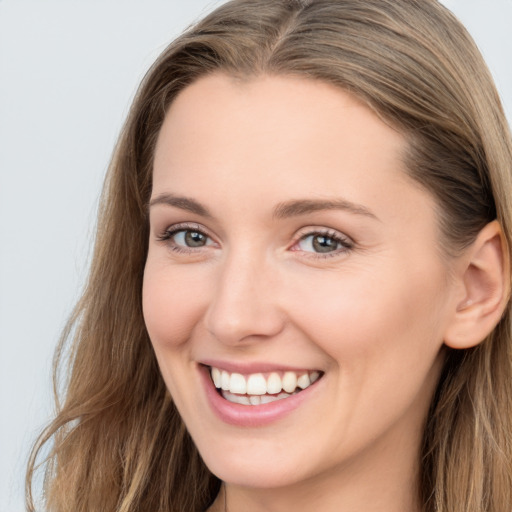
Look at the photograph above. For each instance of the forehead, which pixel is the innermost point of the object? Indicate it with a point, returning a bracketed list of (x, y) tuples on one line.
[(270, 117), (279, 138), (273, 105)]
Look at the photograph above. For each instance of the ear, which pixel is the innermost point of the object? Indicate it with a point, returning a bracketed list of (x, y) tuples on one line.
[(485, 279)]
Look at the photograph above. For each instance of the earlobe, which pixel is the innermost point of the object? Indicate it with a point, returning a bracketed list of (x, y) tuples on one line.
[(486, 283)]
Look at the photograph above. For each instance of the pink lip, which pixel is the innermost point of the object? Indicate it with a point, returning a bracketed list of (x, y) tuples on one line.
[(247, 368), (251, 415)]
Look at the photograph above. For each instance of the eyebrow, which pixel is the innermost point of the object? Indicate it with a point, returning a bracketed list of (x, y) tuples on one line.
[(184, 203), (299, 207), (293, 208)]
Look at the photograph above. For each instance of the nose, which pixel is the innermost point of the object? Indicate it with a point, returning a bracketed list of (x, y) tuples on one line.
[(244, 306)]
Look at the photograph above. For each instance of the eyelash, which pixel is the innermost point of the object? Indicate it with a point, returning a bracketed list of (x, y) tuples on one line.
[(169, 233), (345, 243)]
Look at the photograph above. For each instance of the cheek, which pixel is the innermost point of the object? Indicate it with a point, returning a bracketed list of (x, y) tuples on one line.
[(375, 322), (172, 306), (172, 302), (383, 339)]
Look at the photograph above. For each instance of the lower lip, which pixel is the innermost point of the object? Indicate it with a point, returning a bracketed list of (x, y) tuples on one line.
[(251, 415)]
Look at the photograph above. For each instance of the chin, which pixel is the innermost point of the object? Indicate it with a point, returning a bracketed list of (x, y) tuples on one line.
[(268, 474), (267, 461)]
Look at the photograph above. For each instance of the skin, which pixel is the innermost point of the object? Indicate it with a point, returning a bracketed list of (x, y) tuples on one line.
[(371, 314)]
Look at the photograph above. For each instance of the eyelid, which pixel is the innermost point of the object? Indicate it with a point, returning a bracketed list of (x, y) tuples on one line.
[(182, 226)]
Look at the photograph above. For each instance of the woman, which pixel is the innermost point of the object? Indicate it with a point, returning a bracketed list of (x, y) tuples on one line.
[(299, 297)]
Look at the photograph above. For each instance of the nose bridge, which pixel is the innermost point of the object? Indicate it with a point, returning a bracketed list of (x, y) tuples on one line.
[(243, 304)]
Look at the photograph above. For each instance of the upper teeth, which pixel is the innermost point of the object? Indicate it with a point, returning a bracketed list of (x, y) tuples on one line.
[(259, 384)]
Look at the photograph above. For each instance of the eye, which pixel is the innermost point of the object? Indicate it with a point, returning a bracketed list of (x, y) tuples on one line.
[(189, 238), (323, 243), (185, 238)]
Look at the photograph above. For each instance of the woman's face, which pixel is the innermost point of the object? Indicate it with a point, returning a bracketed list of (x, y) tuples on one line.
[(289, 248)]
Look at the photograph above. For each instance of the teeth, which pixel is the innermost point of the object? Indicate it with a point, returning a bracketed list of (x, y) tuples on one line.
[(289, 382), (216, 376), (266, 399), (274, 384), (237, 384), (255, 389), (254, 400), (224, 381), (256, 384), (303, 381), (236, 399)]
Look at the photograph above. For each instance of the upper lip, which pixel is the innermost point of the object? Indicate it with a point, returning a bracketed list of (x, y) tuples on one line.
[(254, 367)]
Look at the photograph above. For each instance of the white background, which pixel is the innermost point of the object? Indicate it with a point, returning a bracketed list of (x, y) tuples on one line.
[(68, 70)]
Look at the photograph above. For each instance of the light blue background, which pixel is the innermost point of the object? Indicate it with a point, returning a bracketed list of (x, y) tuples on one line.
[(68, 70)]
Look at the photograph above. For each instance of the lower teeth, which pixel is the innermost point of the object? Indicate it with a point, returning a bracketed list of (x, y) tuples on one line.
[(254, 399)]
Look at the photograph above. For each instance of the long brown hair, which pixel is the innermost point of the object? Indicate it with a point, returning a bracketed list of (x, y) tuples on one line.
[(117, 442)]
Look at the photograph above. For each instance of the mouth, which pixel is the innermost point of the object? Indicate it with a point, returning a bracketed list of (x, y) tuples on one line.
[(261, 388)]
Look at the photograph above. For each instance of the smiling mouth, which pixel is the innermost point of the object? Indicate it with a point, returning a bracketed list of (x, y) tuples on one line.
[(261, 388)]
